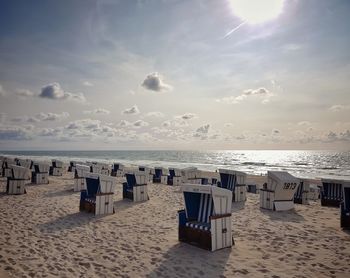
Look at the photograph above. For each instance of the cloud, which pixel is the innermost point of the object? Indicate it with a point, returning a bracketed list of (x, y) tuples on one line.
[(203, 129), (228, 124), (87, 84), (98, 111), (186, 116), (263, 93), (140, 123), (332, 137), (155, 83), (55, 92), (52, 116), (24, 93), (155, 114), (131, 111), (16, 133), (166, 124), (25, 119), (339, 107), (123, 123)]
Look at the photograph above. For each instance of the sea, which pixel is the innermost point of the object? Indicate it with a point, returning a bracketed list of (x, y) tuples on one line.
[(306, 164)]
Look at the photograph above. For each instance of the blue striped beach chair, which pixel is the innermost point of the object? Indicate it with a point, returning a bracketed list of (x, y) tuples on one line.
[(301, 196), (345, 206), (235, 182), (331, 192), (135, 188), (98, 196), (206, 219)]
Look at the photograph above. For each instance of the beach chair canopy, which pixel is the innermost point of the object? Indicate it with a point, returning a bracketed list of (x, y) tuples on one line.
[(20, 173), (7, 161), (202, 201), (332, 188), (27, 163), (41, 167), (81, 170), (283, 184), (57, 163), (230, 178), (97, 183), (174, 172)]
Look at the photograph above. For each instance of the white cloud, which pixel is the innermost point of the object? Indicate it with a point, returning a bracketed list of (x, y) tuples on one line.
[(155, 83), (98, 111), (87, 84), (166, 124), (186, 116), (52, 116), (263, 93), (55, 92), (24, 93), (155, 114), (123, 123), (134, 110), (140, 123), (203, 129), (339, 107), (17, 133)]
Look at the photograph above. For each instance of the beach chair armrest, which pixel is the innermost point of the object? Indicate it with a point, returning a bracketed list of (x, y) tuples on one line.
[(182, 217), (220, 216)]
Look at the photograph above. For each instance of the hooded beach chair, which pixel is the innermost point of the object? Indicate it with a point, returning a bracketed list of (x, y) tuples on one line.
[(345, 206), (301, 196), (278, 193), (40, 175), (174, 177), (6, 170), (160, 175), (27, 163), (206, 219), (56, 169), (71, 166), (331, 192), (191, 175), (79, 177), (98, 196), (16, 183), (135, 188), (117, 170), (234, 181), (100, 168), (149, 173)]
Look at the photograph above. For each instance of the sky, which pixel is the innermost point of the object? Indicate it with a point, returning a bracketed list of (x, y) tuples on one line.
[(171, 74)]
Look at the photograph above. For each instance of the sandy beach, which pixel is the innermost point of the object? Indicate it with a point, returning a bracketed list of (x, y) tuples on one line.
[(43, 234)]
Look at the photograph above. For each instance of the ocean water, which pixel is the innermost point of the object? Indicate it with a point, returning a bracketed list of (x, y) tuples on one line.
[(310, 164)]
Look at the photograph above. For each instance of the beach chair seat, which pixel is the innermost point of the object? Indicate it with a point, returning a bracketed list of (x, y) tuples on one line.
[(234, 181), (40, 175), (278, 193), (206, 219), (16, 182), (98, 196), (135, 188), (331, 192)]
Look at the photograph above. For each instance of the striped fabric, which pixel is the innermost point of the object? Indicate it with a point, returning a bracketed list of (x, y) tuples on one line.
[(298, 194), (205, 208), (200, 226), (230, 183), (332, 191)]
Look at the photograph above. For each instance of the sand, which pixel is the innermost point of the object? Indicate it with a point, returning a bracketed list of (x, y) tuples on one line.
[(43, 234)]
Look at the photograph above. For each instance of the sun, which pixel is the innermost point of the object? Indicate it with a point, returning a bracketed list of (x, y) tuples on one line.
[(256, 11)]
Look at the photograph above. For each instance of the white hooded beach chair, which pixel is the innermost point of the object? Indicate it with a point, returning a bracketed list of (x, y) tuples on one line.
[(27, 163), (71, 166), (135, 188), (117, 170), (149, 173), (80, 172), (331, 192), (174, 177), (191, 175), (345, 206), (278, 193), (206, 219), (56, 169), (6, 170), (160, 175), (40, 175), (234, 181), (100, 168), (98, 196), (301, 196), (16, 183)]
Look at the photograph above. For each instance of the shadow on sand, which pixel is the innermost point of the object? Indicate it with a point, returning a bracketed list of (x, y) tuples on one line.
[(285, 216), (124, 204), (67, 222), (185, 260), (67, 191)]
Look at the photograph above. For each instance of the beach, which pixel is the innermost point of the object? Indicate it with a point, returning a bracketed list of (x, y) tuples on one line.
[(43, 234)]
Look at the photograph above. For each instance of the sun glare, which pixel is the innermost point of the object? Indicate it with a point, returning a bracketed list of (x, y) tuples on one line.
[(256, 11)]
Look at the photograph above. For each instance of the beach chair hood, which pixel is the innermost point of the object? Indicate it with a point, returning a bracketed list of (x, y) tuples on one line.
[(19, 172)]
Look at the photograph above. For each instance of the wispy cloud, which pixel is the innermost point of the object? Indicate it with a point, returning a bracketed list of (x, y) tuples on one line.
[(134, 110), (98, 111), (263, 93), (339, 107)]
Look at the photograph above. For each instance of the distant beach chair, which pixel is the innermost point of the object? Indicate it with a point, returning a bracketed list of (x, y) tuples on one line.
[(100, 168), (79, 177), (345, 206), (301, 196), (234, 181), (56, 169), (40, 175), (191, 175), (331, 192), (16, 183), (149, 173), (174, 177), (160, 175), (71, 166), (98, 196), (206, 219), (6, 170), (278, 193), (117, 170), (135, 188)]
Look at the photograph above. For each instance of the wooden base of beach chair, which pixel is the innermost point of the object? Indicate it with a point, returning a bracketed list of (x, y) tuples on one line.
[(54, 171), (302, 200), (177, 181), (156, 180), (330, 202), (140, 193), (15, 187), (103, 204), (164, 179), (79, 184), (195, 237), (267, 201), (240, 193), (40, 178)]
